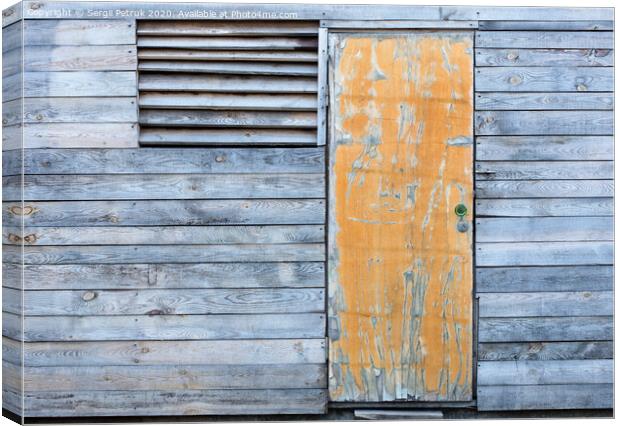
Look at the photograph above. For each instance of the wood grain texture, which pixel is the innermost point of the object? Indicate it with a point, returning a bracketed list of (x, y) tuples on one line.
[(167, 353), (207, 136), (238, 68), (544, 101), (546, 304), (544, 329), (67, 161), (542, 397), (540, 170), (544, 188), (164, 302), (544, 229), (228, 43), (227, 28), (169, 212), (547, 25), (544, 351), (204, 118), (541, 148), (538, 207), (80, 58), (174, 378), (544, 79), (165, 327), (544, 123), (228, 101), (546, 39), (544, 253), (544, 278), (166, 82), (116, 235), (80, 135), (165, 276), (12, 62), (63, 255), (79, 83), (166, 186), (178, 403), (80, 110), (75, 32), (227, 55), (400, 302), (565, 372), (544, 57)]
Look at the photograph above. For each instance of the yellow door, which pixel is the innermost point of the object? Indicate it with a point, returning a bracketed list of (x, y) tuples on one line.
[(400, 237)]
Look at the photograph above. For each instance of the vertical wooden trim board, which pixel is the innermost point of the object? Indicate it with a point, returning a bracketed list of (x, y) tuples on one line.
[(400, 272)]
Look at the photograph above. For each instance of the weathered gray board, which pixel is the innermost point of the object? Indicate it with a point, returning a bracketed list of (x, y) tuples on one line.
[(544, 172), (544, 225)]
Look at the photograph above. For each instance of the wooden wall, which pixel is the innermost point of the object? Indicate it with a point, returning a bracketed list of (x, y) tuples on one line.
[(157, 280), (544, 225)]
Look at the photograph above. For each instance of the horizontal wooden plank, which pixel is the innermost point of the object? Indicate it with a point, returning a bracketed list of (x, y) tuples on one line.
[(69, 161), (251, 119), (12, 87), (240, 68), (543, 253), (76, 32), (543, 229), (227, 55), (544, 57), (227, 28), (229, 43), (546, 304), (544, 101), (164, 302), (547, 278), (80, 58), (166, 212), (12, 112), (546, 39), (227, 101), (166, 82), (80, 135), (167, 353), (540, 170), (547, 25), (544, 79), (165, 276), (550, 148), (565, 372), (63, 255), (12, 62), (545, 329), (524, 13), (79, 110), (545, 397), (544, 123), (536, 207), (12, 139), (165, 327), (118, 235), (166, 186), (12, 36), (79, 83), (544, 351), (172, 378), (190, 137), (336, 24), (543, 188), (177, 403)]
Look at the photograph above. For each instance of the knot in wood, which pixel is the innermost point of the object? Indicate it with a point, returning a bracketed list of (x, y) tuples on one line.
[(220, 159), (35, 6), (30, 238), (582, 87), (512, 56), (8, 12), (39, 117), (22, 211), (515, 79), (14, 238), (88, 296)]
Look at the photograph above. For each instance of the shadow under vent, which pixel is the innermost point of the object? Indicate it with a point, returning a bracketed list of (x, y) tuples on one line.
[(227, 83)]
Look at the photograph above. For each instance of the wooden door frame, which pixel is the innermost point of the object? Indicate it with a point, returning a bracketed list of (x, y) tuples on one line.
[(325, 99)]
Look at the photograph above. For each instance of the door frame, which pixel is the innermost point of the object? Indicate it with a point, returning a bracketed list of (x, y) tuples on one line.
[(325, 100)]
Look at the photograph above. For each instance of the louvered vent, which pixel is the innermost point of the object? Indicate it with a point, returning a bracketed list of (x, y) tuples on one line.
[(227, 83)]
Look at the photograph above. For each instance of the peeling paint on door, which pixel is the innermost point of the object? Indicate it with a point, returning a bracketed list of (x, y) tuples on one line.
[(400, 262)]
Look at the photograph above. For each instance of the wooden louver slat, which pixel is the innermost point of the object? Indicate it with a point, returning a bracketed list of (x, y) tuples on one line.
[(227, 83)]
